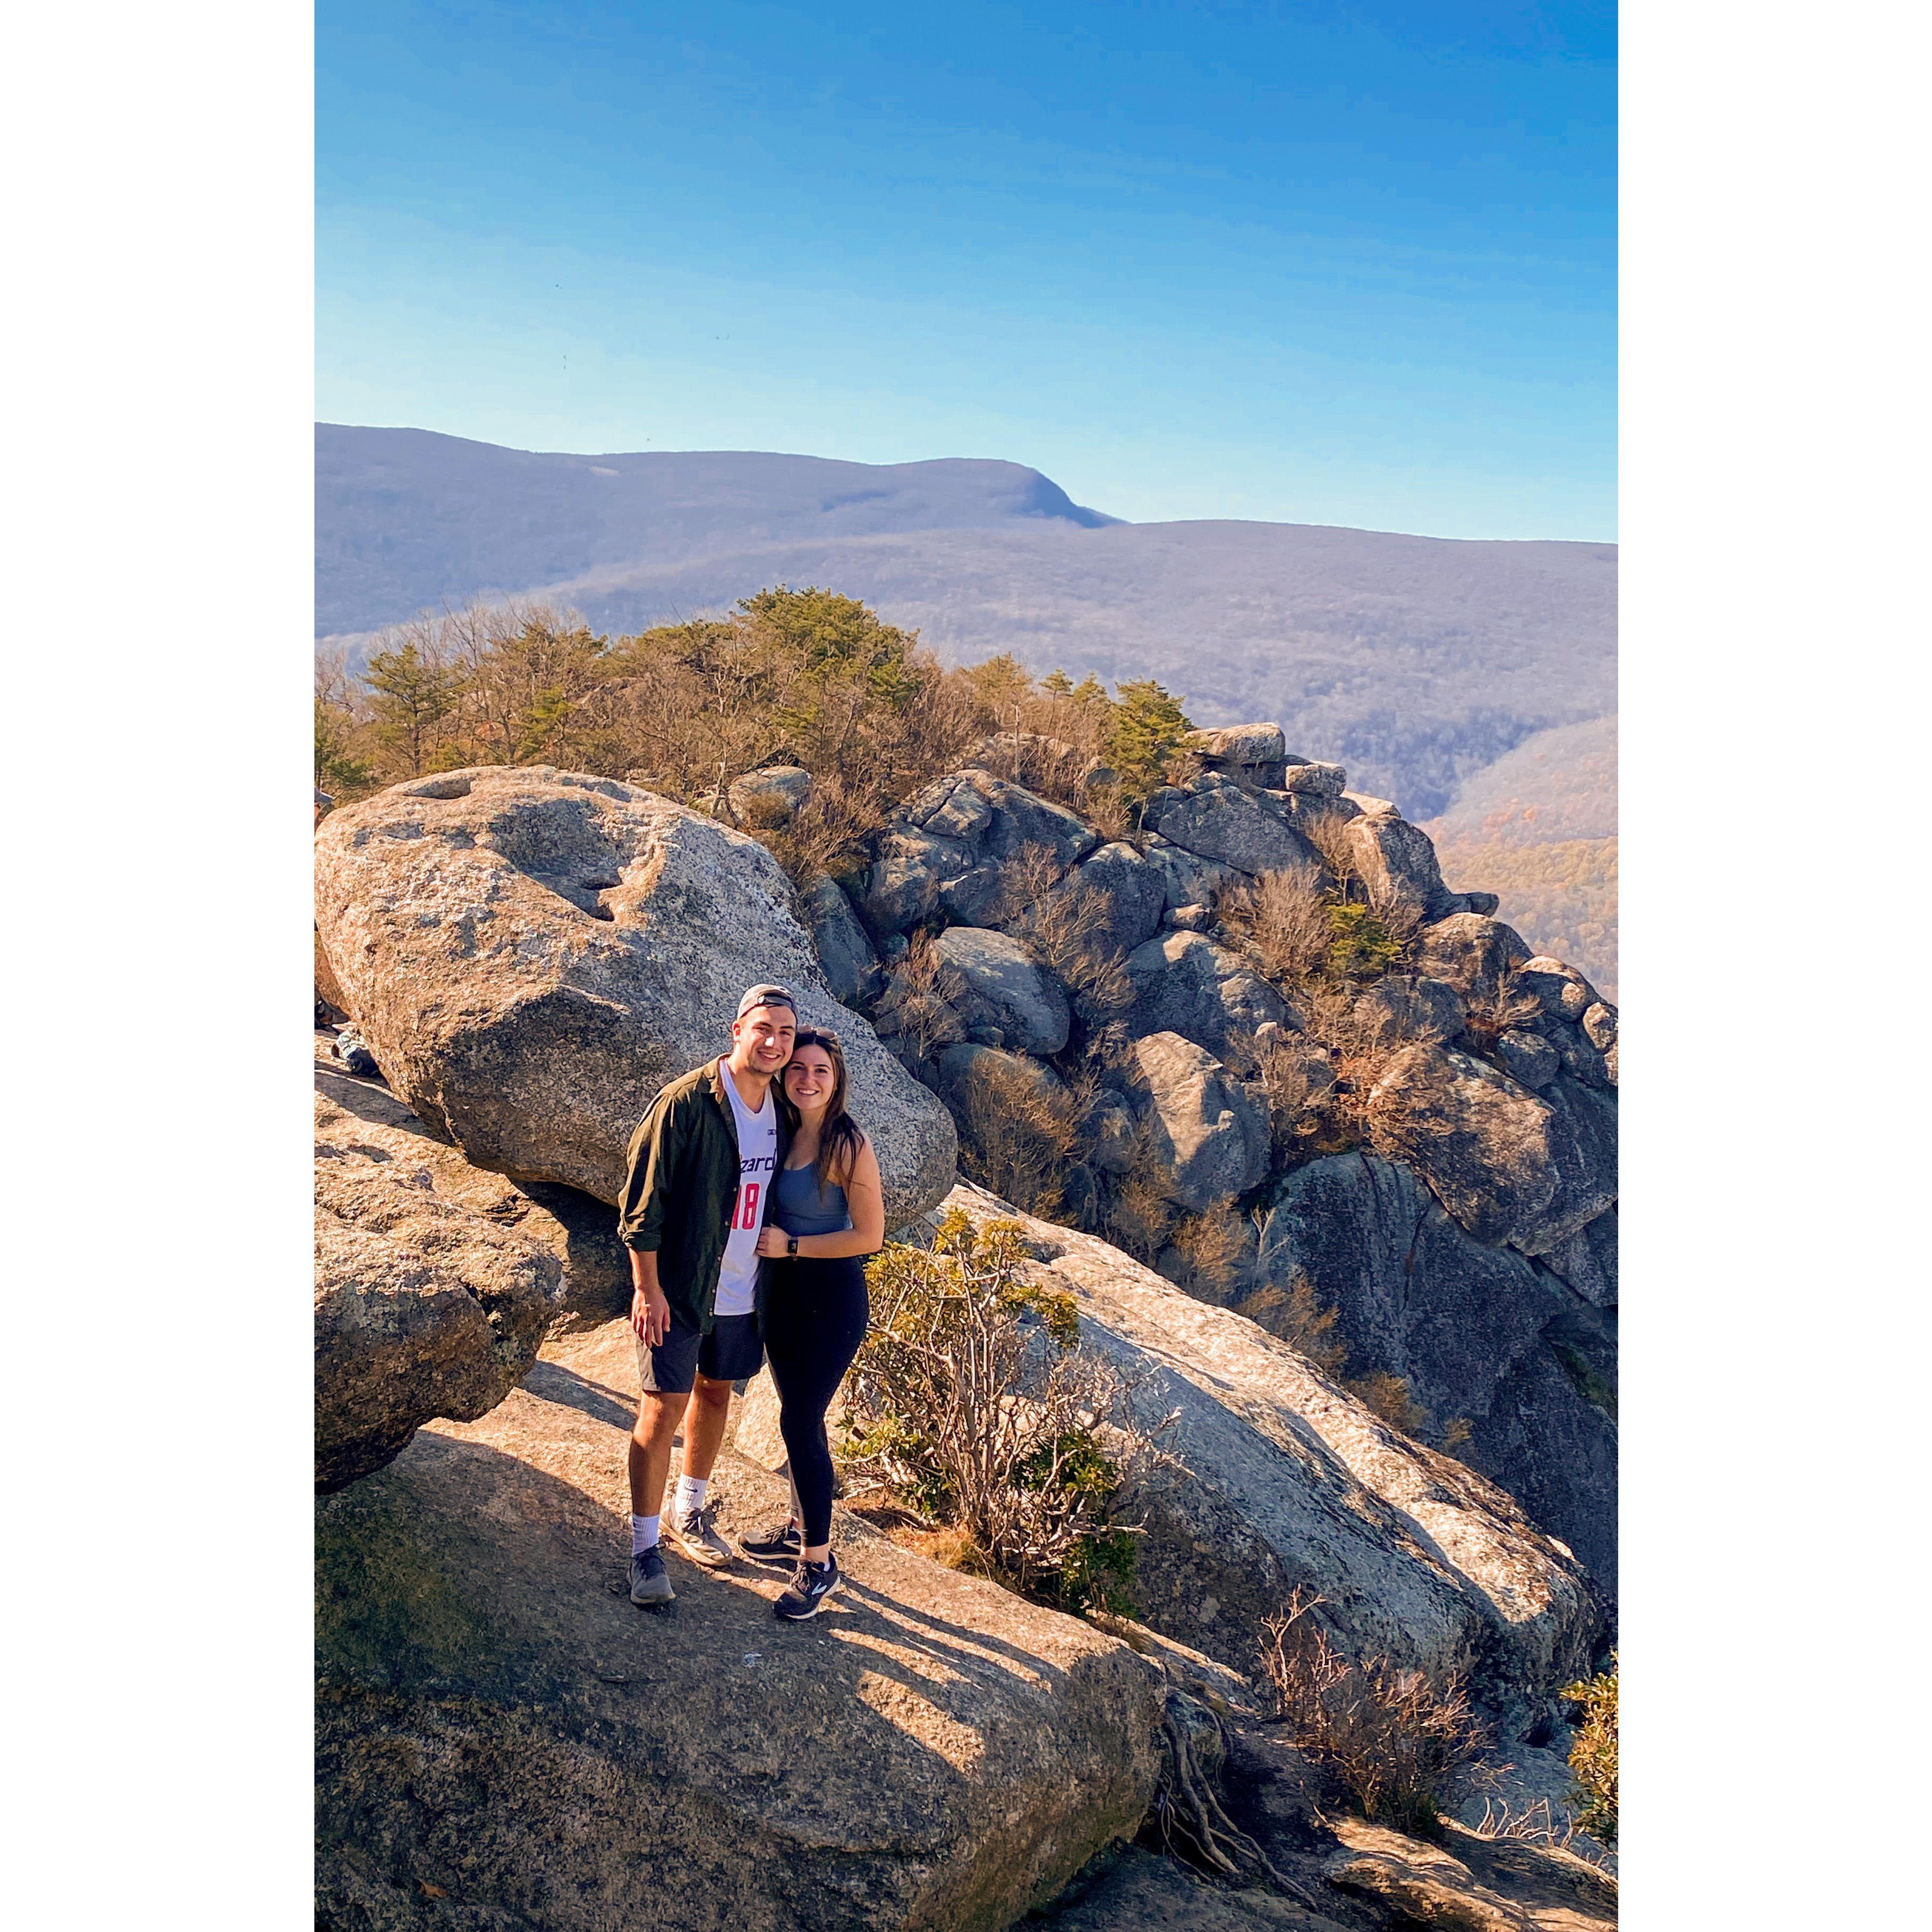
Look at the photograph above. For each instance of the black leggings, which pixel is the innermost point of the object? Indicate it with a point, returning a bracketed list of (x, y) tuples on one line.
[(815, 1320)]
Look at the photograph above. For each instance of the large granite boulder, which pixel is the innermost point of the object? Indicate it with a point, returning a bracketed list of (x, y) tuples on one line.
[(1128, 894), (1475, 954), (1468, 1328), (770, 795), (361, 1120), (1313, 778), (1397, 864), (1281, 1479), (944, 858), (1186, 881), (901, 888), (502, 1740), (1253, 754), (998, 983), (1558, 990), (851, 966), (1215, 819), (1209, 1134), (999, 818), (1184, 983), (1587, 1261), (1526, 1169), (531, 954), (424, 1307)]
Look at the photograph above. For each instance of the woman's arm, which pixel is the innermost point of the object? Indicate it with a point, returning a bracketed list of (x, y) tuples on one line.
[(866, 1202)]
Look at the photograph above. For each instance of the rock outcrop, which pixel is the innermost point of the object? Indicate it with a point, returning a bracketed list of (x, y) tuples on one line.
[(1497, 1351), (361, 1119), (1283, 1478), (1184, 983), (503, 1740), (532, 953), (1207, 1134), (1474, 1081), (424, 1306), (1002, 988)]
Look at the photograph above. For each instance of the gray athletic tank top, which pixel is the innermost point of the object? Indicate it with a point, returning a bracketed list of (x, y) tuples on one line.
[(800, 1206)]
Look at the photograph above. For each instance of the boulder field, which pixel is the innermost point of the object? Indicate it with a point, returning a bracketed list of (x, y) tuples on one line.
[(1467, 1252)]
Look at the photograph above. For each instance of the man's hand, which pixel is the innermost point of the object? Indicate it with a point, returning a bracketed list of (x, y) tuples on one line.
[(650, 1314), (772, 1243)]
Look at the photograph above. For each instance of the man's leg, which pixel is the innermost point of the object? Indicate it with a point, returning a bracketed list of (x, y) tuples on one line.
[(688, 1521), (704, 1431), (658, 1418)]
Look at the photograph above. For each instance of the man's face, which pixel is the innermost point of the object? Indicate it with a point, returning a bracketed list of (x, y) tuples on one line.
[(762, 1040)]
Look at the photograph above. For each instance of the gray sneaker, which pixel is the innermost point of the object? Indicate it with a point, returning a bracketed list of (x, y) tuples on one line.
[(693, 1533), (649, 1583)]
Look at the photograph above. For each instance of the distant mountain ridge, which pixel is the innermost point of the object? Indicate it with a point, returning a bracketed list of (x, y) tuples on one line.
[(407, 517), (1417, 662)]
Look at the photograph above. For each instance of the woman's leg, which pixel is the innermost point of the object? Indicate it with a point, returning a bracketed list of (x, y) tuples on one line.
[(809, 1358)]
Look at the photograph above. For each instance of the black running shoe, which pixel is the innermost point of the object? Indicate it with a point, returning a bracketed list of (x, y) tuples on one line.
[(649, 1583), (810, 1587), (776, 1549)]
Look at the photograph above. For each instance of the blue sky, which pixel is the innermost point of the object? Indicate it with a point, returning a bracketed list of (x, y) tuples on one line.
[(1316, 263)]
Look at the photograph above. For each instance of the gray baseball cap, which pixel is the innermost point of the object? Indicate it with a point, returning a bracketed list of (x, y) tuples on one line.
[(767, 996)]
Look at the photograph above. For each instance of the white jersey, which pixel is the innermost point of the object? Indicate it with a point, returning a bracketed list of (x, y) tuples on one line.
[(757, 1164)]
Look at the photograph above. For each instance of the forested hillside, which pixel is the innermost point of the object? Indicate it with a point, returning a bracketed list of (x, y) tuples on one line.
[(1539, 828)]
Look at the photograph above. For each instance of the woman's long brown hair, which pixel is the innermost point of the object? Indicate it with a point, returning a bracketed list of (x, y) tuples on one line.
[(839, 1139)]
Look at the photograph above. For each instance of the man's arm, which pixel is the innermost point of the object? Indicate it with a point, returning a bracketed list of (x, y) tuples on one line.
[(652, 1161)]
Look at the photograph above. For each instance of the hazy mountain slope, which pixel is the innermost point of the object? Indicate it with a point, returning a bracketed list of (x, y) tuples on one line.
[(406, 518), (1540, 827), (1417, 661)]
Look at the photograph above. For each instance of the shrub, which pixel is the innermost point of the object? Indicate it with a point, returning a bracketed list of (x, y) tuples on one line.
[(1212, 1252), (1298, 1317), (1067, 927), (1327, 832), (1143, 741), (1490, 1016), (971, 1399), (1360, 947), (826, 834), (1284, 917), (1017, 1134), (1593, 1757), (1388, 1396), (917, 1005), (1400, 1746)]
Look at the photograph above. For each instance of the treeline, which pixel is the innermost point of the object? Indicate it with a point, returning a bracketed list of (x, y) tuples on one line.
[(805, 677)]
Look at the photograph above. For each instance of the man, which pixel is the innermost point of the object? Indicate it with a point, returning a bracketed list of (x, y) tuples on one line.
[(702, 1163)]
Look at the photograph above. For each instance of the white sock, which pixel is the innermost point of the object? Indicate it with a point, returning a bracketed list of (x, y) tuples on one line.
[(691, 1493), (644, 1534)]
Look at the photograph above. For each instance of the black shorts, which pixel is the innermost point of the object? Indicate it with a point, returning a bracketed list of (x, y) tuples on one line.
[(731, 1352)]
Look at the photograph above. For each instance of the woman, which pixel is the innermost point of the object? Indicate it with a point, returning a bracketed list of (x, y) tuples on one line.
[(828, 1209)]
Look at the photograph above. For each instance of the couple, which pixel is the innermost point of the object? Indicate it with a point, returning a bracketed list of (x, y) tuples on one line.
[(750, 1198)]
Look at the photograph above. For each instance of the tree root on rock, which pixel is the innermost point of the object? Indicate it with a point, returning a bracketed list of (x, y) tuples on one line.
[(1186, 1818)]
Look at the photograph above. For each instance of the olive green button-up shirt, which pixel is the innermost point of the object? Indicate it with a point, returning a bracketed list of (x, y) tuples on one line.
[(681, 1189)]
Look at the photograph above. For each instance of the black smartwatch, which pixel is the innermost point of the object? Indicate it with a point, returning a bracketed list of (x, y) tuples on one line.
[(791, 1245)]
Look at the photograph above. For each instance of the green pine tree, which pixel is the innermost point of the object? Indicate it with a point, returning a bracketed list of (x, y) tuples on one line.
[(1148, 725), (411, 697)]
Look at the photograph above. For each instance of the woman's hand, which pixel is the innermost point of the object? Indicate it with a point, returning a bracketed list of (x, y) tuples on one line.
[(772, 1243)]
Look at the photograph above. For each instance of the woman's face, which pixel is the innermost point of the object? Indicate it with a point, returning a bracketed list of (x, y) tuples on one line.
[(809, 1079)]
